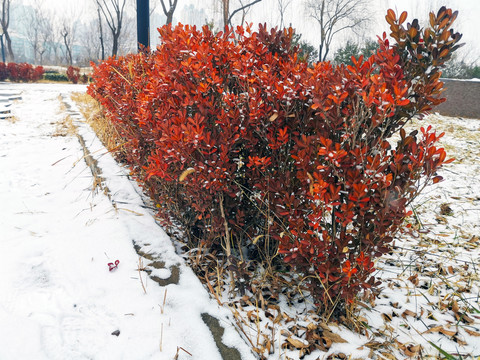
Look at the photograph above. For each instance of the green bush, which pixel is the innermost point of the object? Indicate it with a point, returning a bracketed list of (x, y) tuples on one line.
[(55, 76), (344, 54)]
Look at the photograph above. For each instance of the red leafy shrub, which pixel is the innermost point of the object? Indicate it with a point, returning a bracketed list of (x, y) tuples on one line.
[(13, 72), (73, 74), (253, 150), (21, 72), (3, 71), (37, 74)]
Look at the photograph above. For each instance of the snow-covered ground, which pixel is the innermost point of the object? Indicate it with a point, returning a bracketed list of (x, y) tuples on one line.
[(58, 299), (58, 234)]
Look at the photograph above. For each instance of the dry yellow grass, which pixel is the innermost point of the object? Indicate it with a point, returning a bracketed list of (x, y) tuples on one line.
[(65, 127), (93, 114)]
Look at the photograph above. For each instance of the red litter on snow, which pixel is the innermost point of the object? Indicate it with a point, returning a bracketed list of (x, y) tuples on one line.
[(112, 266)]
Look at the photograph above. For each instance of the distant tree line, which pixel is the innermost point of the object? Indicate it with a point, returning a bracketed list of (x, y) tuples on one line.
[(56, 37)]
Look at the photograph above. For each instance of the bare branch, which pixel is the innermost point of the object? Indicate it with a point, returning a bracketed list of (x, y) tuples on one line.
[(241, 9), (334, 16)]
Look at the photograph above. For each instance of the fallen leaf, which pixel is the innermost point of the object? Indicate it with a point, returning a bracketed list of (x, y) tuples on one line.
[(471, 332), (298, 344), (433, 329), (273, 117), (387, 317), (455, 307), (375, 345), (459, 341), (447, 332), (185, 173), (324, 326), (388, 356), (408, 313), (412, 350), (334, 337), (414, 279), (467, 319)]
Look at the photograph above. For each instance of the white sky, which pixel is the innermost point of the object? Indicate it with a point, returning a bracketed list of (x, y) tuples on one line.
[(267, 11)]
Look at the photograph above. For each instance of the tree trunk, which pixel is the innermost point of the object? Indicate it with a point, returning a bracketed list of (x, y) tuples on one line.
[(10, 55), (102, 45), (226, 10), (115, 44), (67, 47), (170, 16)]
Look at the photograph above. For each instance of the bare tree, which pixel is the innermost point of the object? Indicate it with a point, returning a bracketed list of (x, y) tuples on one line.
[(334, 16), (227, 16), (39, 31), (282, 6), (88, 41), (5, 22), (100, 31), (113, 13), (67, 32), (172, 5)]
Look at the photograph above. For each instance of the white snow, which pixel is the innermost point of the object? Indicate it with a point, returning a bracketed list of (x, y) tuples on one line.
[(58, 299)]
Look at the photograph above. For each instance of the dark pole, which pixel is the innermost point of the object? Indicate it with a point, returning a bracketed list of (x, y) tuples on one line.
[(143, 24), (3, 49)]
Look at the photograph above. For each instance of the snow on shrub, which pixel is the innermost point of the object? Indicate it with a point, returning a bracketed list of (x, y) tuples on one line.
[(20, 72), (73, 74), (251, 149), (3, 71)]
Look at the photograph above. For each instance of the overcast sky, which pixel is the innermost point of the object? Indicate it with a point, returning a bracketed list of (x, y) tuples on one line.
[(267, 11)]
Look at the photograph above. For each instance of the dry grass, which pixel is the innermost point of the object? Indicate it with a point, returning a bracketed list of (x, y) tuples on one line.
[(12, 119), (65, 127), (93, 113)]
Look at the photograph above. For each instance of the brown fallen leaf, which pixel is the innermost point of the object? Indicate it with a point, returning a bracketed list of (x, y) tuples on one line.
[(387, 317), (433, 329), (455, 307), (298, 344), (412, 350), (471, 332), (414, 279), (326, 342), (269, 347), (408, 313), (375, 345), (459, 341), (273, 117), (324, 326), (339, 356), (467, 319), (447, 332), (334, 337), (388, 356)]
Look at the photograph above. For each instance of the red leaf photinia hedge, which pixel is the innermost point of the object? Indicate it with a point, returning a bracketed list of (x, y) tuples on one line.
[(237, 138), (23, 72)]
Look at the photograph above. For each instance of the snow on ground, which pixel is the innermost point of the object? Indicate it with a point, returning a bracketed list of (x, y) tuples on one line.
[(58, 299)]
